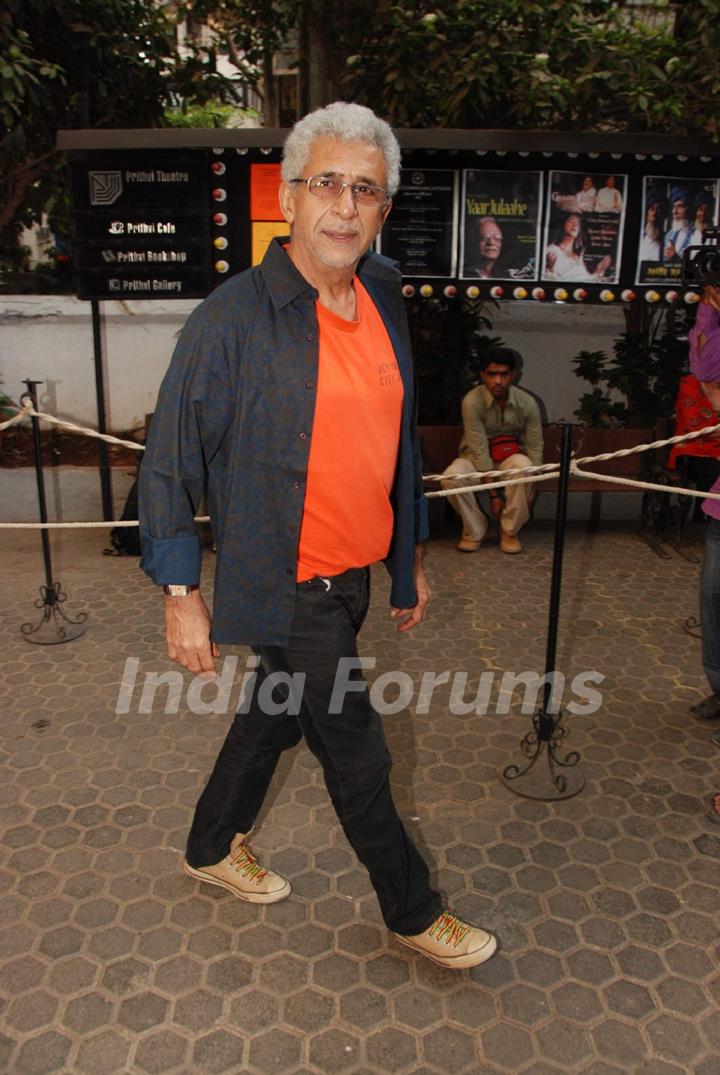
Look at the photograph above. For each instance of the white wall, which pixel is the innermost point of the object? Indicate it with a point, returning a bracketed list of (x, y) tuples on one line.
[(49, 338), (548, 336)]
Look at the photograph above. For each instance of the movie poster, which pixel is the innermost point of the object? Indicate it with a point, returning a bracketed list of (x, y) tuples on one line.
[(584, 227), (500, 225), (674, 213), (421, 231)]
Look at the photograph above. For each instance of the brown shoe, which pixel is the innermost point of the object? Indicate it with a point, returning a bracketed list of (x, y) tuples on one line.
[(469, 544), (708, 709), (450, 942), (509, 543), (241, 873)]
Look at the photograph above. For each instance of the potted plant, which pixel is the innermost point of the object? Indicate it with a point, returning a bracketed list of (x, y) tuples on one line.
[(637, 386)]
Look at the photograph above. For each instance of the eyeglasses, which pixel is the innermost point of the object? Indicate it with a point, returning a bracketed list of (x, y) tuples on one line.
[(322, 186)]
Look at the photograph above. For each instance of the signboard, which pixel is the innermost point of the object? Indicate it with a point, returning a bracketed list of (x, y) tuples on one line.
[(501, 225), (144, 224), (474, 209), (674, 213), (421, 231), (264, 187), (584, 227)]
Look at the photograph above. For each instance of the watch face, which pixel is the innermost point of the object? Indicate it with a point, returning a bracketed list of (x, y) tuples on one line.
[(178, 591)]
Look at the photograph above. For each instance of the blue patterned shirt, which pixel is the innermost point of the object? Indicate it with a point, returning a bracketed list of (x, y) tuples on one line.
[(235, 416)]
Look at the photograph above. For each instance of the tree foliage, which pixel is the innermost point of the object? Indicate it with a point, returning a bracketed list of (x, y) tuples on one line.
[(530, 64), (638, 384), (70, 63), (563, 64)]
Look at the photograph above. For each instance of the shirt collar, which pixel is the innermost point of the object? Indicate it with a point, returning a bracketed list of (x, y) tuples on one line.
[(489, 398), (286, 284), (283, 280)]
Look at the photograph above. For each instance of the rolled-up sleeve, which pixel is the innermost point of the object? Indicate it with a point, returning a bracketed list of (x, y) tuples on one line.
[(188, 425), (704, 339)]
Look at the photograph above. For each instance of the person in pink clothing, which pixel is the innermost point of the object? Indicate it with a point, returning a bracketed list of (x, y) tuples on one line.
[(704, 339)]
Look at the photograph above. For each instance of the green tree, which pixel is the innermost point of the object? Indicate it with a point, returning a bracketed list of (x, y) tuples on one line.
[(520, 64), (314, 36), (645, 369), (70, 63)]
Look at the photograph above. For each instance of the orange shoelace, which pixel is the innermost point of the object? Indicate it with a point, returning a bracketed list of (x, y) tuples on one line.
[(246, 864), (448, 929)]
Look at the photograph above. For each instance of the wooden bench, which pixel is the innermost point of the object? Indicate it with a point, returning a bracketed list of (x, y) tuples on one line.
[(440, 446)]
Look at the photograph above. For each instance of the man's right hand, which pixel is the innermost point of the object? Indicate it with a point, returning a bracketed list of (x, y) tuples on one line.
[(187, 630), (497, 505)]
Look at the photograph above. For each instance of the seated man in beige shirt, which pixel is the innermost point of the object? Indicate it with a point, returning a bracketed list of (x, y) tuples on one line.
[(502, 431)]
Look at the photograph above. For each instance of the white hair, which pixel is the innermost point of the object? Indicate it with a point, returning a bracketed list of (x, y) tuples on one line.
[(348, 123)]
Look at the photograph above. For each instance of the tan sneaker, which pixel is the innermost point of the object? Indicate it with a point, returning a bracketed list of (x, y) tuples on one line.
[(469, 544), (242, 874), (450, 942), (509, 543)]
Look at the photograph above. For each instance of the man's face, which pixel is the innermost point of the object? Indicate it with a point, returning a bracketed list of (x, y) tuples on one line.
[(679, 209), (497, 378), (489, 240), (335, 234)]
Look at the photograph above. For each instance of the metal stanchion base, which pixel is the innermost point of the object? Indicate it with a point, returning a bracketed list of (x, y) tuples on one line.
[(54, 626), (561, 778)]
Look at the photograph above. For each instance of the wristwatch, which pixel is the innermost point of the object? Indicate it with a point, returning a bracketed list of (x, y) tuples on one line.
[(175, 590)]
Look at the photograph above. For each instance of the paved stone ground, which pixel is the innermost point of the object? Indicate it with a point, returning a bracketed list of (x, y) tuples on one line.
[(114, 961)]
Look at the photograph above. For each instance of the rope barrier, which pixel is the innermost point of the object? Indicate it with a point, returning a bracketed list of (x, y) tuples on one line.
[(84, 526), (12, 421), (631, 483), (513, 476), (541, 469), (483, 487), (29, 411), (706, 431)]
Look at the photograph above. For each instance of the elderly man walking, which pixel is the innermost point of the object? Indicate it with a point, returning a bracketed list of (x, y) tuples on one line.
[(292, 390)]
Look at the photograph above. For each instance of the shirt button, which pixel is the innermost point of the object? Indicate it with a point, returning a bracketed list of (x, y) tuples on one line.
[(296, 485), (291, 530), (309, 337), (289, 571), (302, 436), (310, 384)]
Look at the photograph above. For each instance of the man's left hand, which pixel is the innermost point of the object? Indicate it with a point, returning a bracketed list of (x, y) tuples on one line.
[(410, 617)]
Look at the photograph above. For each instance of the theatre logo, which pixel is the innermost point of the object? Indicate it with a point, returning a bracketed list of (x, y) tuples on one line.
[(105, 187)]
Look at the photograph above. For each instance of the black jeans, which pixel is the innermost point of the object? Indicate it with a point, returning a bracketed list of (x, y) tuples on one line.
[(349, 744)]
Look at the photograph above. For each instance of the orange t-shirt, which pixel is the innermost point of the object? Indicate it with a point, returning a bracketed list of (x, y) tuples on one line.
[(347, 518)]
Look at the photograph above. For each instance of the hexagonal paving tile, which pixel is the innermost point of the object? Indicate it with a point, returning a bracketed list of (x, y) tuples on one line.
[(605, 903)]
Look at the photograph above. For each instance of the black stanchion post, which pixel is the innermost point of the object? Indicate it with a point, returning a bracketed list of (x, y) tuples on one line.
[(54, 625), (105, 479), (563, 778)]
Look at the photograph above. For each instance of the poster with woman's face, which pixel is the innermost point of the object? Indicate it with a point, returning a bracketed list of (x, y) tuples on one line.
[(500, 225), (584, 227), (674, 215)]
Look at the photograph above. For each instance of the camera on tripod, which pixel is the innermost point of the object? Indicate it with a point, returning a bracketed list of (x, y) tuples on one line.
[(701, 264)]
